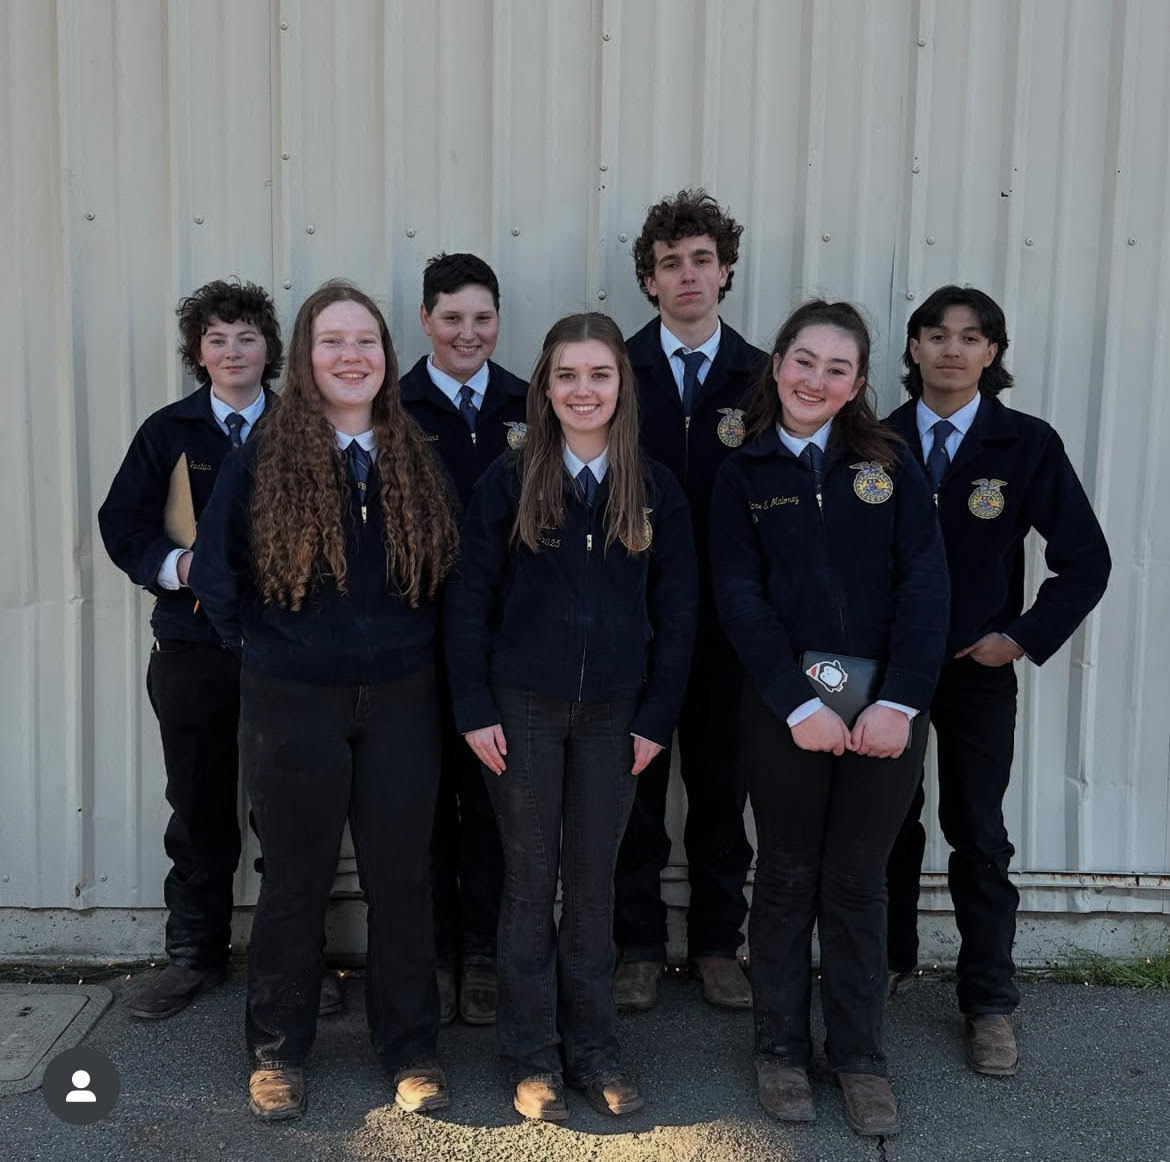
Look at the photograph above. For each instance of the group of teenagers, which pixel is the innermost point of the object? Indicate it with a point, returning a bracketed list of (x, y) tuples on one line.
[(466, 613)]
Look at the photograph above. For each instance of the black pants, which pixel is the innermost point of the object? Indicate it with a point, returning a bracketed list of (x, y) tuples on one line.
[(562, 805), (313, 756), (717, 848), (195, 692), (825, 826), (467, 862), (974, 717)]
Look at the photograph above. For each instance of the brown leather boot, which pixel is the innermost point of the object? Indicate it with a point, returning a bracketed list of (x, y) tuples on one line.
[(870, 1108), (541, 1096), (991, 1044), (276, 1094), (785, 1092), (418, 1089), (724, 983), (614, 1095), (635, 985)]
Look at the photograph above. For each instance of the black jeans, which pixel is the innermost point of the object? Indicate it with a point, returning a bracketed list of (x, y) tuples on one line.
[(974, 716), (717, 849), (825, 826), (195, 692), (312, 756), (467, 861), (562, 806)]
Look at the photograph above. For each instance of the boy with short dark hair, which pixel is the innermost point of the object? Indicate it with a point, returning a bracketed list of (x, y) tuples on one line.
[(230, 342), (997, 474), (693, 373), (472, 410)]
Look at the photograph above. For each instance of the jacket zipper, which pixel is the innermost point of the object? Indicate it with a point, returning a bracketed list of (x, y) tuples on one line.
[(825, 530), (585, 631)]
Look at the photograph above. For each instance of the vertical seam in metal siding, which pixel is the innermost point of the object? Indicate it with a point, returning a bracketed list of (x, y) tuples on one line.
[(812, 203)]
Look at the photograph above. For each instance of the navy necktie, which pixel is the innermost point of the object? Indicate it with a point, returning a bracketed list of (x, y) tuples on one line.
[(814, 458), (359, 462), (234, 422), (692, 361), (587, 485), (938, 461), (467, 408)]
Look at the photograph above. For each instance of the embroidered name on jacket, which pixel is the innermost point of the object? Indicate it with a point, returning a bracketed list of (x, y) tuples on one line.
[(772, 502), (198, 466)]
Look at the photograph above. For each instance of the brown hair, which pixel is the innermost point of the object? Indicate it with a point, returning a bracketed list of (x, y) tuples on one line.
[(856, 425), (301, 488), (230, 302), (541, 461)]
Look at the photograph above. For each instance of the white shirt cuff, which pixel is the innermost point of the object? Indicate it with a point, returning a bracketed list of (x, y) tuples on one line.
[(168, 574), (909, 711), (803, 711)]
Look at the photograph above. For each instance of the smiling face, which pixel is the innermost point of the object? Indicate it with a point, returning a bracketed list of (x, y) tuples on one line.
[(816, 377), (951, 357), (583, 389), (463, 329), (233, 355), (686, 281), (349, 364)]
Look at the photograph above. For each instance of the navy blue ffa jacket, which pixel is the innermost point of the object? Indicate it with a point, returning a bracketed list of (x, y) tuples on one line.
[(367, 634), (500, 424), (1011, 474), (694, 452), (131, 518), (575, 620), (859, 571)]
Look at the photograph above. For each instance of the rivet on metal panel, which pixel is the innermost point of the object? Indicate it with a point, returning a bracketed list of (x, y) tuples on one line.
[(284, 26), (515, 231), (310, 229), (287, 284), (410, 232), (1029, 241), (826, 237), (930, 240), (284, 156), (198, 219), (90, 216), (602, 295), (916, 168), (910, 296), (623, 238), (103, 877), (604, 167), (922, 42), (1132, 241), (605, 36), (4, 879)]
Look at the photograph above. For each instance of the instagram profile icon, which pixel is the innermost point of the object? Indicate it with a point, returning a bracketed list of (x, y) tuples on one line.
[(81, 1085)]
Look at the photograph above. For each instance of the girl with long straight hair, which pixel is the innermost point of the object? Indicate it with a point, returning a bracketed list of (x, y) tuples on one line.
[(831, 584), (320, 557), (568, 627)]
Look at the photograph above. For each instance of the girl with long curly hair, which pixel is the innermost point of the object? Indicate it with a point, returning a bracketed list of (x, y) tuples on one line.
[(320, 556), (569, 628)]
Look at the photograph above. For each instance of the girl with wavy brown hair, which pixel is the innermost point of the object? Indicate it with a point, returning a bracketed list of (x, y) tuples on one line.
[(320, 556), (569, 628)]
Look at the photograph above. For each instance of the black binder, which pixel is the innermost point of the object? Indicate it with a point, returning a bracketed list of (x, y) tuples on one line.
[(846, 685)]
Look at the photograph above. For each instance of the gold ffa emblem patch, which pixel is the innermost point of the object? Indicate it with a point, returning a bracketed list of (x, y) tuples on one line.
[(731, 430), (872, 483), (647, 529), (986, 502), (517, 434)]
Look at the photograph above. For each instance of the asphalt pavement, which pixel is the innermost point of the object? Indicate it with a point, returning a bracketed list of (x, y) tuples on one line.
[(1094, 1084)]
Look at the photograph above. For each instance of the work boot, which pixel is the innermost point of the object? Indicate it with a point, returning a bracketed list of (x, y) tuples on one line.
[(276, 1094), (171, 990), (445, 977), (785, 1092), (541, 1096), (477, 994), (724, 983), (991, 1044), (615, 1095), (635, 985), (870, 1108), (418, 1089), (331, 1001)]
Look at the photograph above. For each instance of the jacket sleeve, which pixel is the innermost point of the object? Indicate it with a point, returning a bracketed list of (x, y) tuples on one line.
[(672, 599), (131, 516), (918, 634), (221, 566), (751, 622), (1074, 551), (473, 595)]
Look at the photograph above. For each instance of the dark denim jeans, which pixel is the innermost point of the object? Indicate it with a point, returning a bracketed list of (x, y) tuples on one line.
[(974, 717), (717, 848), (562, 806), (194, 689), (825, 826), (313, 756)]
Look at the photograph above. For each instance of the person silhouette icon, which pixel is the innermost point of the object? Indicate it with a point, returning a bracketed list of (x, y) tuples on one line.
[(81, 1090)]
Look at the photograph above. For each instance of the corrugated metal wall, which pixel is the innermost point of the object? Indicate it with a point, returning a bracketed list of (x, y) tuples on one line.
[(873, 149)]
